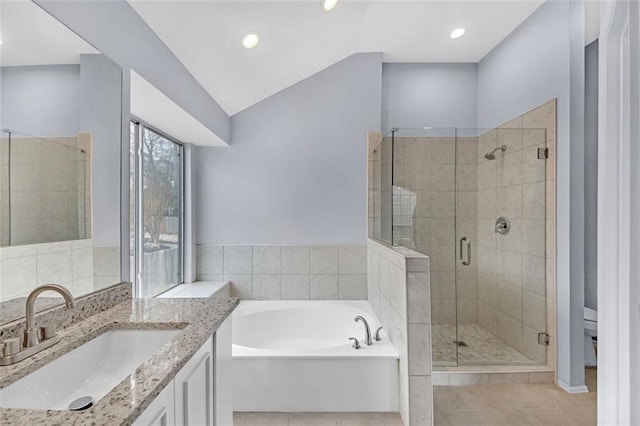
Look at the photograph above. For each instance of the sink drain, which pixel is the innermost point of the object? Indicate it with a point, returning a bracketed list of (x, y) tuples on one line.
[(81, 403)]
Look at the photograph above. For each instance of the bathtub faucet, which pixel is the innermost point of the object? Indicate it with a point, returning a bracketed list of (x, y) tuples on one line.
[(367, 330)]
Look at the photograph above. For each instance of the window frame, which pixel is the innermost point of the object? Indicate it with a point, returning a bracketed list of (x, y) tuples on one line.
[(136, 273)]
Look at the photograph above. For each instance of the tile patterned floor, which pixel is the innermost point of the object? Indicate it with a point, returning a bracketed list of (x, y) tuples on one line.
[(483, 347), (515, 405), (478, 405), (316, 419)]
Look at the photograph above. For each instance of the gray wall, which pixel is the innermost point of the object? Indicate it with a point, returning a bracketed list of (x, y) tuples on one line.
[(101, 114), (434, 95), (528, 68), (41, 100), (2, 126), (296, 173), (539, 61), (115, 29), (591, 177)]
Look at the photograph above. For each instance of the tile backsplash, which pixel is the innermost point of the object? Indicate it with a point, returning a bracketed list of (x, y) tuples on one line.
[(77, 265), (287, 272)]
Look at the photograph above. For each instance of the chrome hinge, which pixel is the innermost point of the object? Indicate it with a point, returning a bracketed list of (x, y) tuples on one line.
[(543, 153), (543, 339)]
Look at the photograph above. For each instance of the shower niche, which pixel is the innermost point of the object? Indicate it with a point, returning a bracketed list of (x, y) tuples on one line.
[(475, 202)]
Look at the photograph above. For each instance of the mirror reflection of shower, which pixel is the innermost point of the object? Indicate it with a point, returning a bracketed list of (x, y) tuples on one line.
[(45, 188), (492, 155)]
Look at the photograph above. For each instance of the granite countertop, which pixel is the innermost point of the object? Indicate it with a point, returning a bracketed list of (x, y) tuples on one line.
[(197, 318)]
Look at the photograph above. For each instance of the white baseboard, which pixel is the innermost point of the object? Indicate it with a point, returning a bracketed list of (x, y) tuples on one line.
[(573, 389)]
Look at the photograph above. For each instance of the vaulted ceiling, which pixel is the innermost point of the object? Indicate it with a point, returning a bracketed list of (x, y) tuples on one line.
[(298, 39), (30, 36)]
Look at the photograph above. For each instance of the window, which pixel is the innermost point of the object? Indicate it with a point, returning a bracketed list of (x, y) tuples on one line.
[(156, 210)]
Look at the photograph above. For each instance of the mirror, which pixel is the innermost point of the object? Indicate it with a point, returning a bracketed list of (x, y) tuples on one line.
[(45, 185), (60, 151)]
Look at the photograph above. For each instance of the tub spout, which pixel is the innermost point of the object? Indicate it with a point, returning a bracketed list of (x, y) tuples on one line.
[(367, 336)]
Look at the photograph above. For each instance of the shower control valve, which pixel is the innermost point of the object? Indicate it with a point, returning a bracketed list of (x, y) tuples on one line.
[(503, 226)]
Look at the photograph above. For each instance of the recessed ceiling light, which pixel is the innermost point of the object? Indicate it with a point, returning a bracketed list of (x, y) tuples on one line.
[(457, 33), (251, 40), (0, 41), (329, 5)]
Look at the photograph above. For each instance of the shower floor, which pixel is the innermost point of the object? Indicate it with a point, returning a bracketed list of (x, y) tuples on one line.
[(483, 347)]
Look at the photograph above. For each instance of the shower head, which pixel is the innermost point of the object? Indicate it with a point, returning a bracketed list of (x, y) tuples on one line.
[(492, 155)]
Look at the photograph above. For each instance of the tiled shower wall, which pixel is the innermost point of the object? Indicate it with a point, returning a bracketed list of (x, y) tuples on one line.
[(424, 203), (50, 190), (514, 269), (286, 272)]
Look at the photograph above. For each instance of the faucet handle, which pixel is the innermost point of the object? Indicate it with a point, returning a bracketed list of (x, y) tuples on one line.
[(47, 331), (377, 338), (356, 344), (11, 346)]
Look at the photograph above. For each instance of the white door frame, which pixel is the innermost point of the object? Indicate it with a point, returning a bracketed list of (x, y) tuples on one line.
[(618, 220)]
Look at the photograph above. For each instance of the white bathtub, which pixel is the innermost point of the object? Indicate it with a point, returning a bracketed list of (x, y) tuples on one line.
[(297, 356)]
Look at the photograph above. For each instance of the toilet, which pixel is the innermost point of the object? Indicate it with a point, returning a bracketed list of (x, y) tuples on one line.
[(590, 336)]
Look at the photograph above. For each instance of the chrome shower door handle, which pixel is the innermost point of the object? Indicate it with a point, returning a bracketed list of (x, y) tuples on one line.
[(465, 241)]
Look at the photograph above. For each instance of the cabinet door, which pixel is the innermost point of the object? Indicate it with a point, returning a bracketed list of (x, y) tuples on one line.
[(161, 412), (194, 389)]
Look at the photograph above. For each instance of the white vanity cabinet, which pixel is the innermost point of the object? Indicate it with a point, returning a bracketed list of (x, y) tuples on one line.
[(200, 393), (193, 387), (161, 412)]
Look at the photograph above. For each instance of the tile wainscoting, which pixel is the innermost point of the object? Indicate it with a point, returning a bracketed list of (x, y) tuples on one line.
[(286, 272), (77, 265), (398, 290)]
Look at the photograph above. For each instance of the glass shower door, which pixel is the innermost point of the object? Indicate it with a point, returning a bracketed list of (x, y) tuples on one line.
[(423, 216), (501, 241)]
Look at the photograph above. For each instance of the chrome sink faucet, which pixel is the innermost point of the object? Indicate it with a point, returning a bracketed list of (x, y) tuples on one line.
[(367, 337), (13, 350)]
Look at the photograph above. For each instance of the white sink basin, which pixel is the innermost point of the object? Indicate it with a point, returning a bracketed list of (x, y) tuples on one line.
[(92, 369)]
